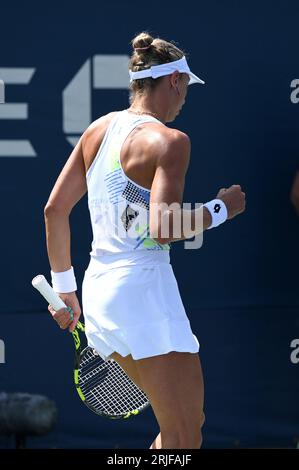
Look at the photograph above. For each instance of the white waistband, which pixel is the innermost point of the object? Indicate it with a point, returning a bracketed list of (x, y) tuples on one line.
[(140, 257)]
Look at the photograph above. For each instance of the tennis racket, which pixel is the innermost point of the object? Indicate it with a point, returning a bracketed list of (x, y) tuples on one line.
[(103, 386)]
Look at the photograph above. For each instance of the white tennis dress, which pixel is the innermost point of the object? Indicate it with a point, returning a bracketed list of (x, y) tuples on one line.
[(130, 297)]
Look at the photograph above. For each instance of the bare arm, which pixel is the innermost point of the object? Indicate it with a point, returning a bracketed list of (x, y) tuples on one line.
[(69, 188), (168, 187)]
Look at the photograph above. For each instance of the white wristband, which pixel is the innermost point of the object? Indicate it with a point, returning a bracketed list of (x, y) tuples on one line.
[(218, 211), (64, 282)]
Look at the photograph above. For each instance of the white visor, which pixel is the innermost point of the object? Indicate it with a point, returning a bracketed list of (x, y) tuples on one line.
[(156, 71)]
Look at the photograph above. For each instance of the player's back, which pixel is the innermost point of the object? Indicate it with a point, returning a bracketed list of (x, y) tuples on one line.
[(119, 206)]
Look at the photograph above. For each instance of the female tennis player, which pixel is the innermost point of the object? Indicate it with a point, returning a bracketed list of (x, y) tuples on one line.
[(133, 168)]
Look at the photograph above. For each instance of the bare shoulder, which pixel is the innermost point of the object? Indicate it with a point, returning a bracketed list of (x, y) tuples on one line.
[(179, 140), (99, 123), (164, 137), (169, 145), (93, 136), (161, 133)]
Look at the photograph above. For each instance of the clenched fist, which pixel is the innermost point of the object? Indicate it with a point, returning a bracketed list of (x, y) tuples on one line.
[(234, 199)]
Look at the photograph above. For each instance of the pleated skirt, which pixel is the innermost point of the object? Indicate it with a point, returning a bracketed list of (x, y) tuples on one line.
[(135, 309)]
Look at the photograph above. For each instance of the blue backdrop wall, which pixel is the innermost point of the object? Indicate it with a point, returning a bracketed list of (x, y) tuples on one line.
[(63, 67)]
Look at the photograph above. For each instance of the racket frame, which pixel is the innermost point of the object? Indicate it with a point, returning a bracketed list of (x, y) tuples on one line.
[(79, 354)]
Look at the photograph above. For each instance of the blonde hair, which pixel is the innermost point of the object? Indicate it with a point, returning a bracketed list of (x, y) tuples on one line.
[(147, 52)]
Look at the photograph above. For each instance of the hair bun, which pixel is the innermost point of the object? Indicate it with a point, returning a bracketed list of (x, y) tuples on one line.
[(142, 42)]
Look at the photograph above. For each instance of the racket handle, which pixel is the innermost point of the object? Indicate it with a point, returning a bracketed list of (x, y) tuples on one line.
[(41, 284)]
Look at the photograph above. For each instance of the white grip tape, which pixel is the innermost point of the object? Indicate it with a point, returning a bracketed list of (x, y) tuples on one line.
[(41, 284)]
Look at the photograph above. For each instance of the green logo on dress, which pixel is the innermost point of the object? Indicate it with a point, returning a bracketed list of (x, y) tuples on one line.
[(114, 158)]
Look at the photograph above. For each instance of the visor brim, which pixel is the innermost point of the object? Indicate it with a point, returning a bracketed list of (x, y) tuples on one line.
[(194, 79)]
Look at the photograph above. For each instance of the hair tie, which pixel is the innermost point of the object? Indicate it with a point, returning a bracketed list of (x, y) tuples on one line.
[(142, 48)]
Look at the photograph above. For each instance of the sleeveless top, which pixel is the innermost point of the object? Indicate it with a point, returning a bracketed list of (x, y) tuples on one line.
[(119, 207)]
